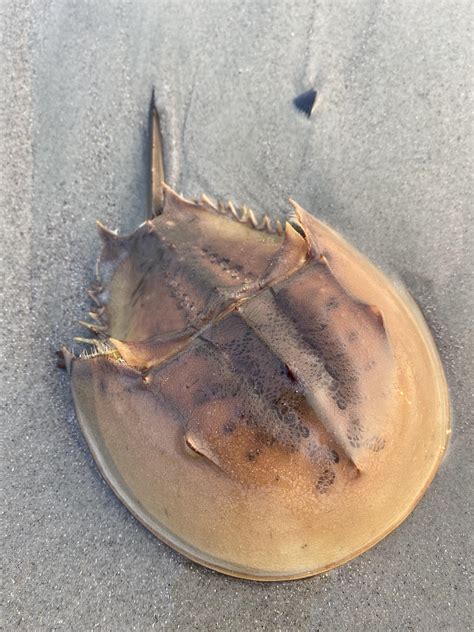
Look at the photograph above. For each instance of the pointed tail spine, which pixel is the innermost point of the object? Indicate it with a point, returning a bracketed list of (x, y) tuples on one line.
[(157, 176)]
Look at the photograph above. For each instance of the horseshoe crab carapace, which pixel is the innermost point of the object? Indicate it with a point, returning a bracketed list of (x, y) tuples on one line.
[(261, 397)]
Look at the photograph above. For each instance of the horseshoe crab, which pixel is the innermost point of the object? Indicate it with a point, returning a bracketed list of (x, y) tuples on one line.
[(261, 397)]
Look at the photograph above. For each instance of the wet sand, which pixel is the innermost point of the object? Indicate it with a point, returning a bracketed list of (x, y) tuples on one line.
[(385, 159)]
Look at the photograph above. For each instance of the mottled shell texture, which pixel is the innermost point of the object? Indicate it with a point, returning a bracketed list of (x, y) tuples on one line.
[(261, 398)]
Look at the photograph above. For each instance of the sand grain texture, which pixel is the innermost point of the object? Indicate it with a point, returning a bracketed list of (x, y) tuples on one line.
[(385, 158)]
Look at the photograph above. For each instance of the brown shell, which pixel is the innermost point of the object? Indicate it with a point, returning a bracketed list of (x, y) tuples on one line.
[(263, 400)]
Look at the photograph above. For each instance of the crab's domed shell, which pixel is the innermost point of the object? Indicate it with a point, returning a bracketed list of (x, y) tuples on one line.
[(269, 405)]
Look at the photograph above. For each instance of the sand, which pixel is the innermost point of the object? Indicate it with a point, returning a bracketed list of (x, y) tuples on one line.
[(385, 159)]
